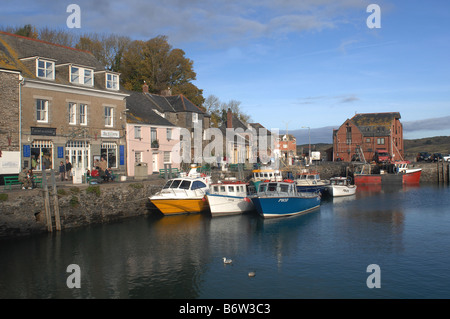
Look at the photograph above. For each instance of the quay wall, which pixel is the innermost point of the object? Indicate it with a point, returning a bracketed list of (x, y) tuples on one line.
[(23, 213)]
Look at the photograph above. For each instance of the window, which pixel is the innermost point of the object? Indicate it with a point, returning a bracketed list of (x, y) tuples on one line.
[(109, 116), (83, 114), (175, 183), (169, 134), (380, 141), (216, 189), (153, 136), (41, 155), (81, 76), (167, 157), (72, 113), (194, 117), (185, 185), (137, 132), (197, 185), (78, 153), (137, 157), (45, 69), (112, 81), (231, 189), (88, 79), (367, 140), (109, 153), (42, 111)]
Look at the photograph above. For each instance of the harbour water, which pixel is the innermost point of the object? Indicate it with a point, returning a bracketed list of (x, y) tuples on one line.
[(324, 254)]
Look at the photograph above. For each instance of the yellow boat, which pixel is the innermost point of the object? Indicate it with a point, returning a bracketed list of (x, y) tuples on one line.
[(183, 195)]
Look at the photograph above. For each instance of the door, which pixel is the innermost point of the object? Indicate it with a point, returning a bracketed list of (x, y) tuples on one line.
[(155, 162)]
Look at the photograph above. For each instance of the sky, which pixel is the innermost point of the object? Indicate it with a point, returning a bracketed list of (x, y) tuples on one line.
[(291, 63)]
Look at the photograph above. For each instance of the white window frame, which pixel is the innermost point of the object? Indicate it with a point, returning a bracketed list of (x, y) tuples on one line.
[(48, 69), (138, 156), (80, 77), (109, 116), (137, 132), (169, 155), (169, 134), (72, 113), (83, 113), (44, 110), (112, 81), (194, 117)]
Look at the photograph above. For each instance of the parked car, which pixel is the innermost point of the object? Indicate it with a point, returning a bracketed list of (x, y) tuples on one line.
[(436, 157), (446, 158), (423, 156)]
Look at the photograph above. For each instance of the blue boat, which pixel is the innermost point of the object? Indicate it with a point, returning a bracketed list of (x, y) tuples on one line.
[(278, 199)]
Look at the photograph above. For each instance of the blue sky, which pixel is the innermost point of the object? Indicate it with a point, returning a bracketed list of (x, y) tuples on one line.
[(290, 62)]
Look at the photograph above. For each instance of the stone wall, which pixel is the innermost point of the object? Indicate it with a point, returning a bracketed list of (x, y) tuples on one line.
[(9, 111), (23, 212)]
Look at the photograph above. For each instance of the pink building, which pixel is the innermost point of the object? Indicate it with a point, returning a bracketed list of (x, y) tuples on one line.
[(151, 138)]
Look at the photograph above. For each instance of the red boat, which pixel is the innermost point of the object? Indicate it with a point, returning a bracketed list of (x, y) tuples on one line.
[(402, 175)]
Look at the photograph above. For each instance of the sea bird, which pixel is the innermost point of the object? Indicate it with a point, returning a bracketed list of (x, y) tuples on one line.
[(227, 261)]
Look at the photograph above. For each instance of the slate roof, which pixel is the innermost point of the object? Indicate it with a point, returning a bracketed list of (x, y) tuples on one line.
[(140, 110), (374, 124), (26, 47), (173, 103)]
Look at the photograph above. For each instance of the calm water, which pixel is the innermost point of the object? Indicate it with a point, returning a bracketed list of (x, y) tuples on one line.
[(320, 255)]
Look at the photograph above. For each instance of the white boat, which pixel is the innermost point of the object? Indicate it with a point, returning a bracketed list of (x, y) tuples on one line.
[(229, 198), (183, 195), (340, 186)]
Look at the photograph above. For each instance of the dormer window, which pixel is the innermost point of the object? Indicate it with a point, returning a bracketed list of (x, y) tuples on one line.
[(112, 81), (79, 75), (45, 69)]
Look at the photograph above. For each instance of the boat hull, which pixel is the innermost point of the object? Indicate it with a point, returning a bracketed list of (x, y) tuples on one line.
[(311, 188), (220, 205), (180, 206), (409, 177), (270, 207), (339, 191)]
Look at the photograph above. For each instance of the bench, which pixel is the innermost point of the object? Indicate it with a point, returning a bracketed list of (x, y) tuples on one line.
[(14, 180), (11, 180), (174, 172)]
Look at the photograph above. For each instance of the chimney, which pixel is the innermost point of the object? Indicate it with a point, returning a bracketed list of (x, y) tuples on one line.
[(229, 119), (145, 87)]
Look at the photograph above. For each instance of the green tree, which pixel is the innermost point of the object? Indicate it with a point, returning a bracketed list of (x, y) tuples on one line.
[(218, 110), (161, 66)]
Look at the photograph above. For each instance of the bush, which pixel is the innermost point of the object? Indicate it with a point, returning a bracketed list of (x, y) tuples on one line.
[(3, 197), (74, 202)]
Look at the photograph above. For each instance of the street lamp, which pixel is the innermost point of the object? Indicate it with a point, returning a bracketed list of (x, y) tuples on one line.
[(309, 138)]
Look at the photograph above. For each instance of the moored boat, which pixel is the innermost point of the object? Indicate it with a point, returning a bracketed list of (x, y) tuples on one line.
[(397, 174), (229, 198), (183, 195), (340, 186), (278, 199), (310, 181)]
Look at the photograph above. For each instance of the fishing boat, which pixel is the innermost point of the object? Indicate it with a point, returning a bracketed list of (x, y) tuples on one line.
[(340, 186), (229, 198), (397, 173), (278, 199), (310, 181), (183, 195)]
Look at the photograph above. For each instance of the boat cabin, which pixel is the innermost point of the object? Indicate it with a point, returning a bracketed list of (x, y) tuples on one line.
[(185, 184), (277, 189), (340, 181), (230, 189), (309, 178), (266, 174)]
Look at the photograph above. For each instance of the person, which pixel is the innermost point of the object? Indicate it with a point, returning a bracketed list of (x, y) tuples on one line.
[(30, 179), (23, 179), (103, 164), (107, 176), (62, 170), (94, 172), (68, 170), (111, 174), (95, 176)]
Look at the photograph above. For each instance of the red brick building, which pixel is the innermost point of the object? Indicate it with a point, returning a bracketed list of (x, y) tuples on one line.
[(360, 137)]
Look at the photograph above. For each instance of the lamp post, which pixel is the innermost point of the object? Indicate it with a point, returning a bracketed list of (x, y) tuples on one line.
[(309, 139)]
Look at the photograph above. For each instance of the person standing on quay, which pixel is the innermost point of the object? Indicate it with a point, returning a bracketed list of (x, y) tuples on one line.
[(103, 165), (62, 170), (68, 170)]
